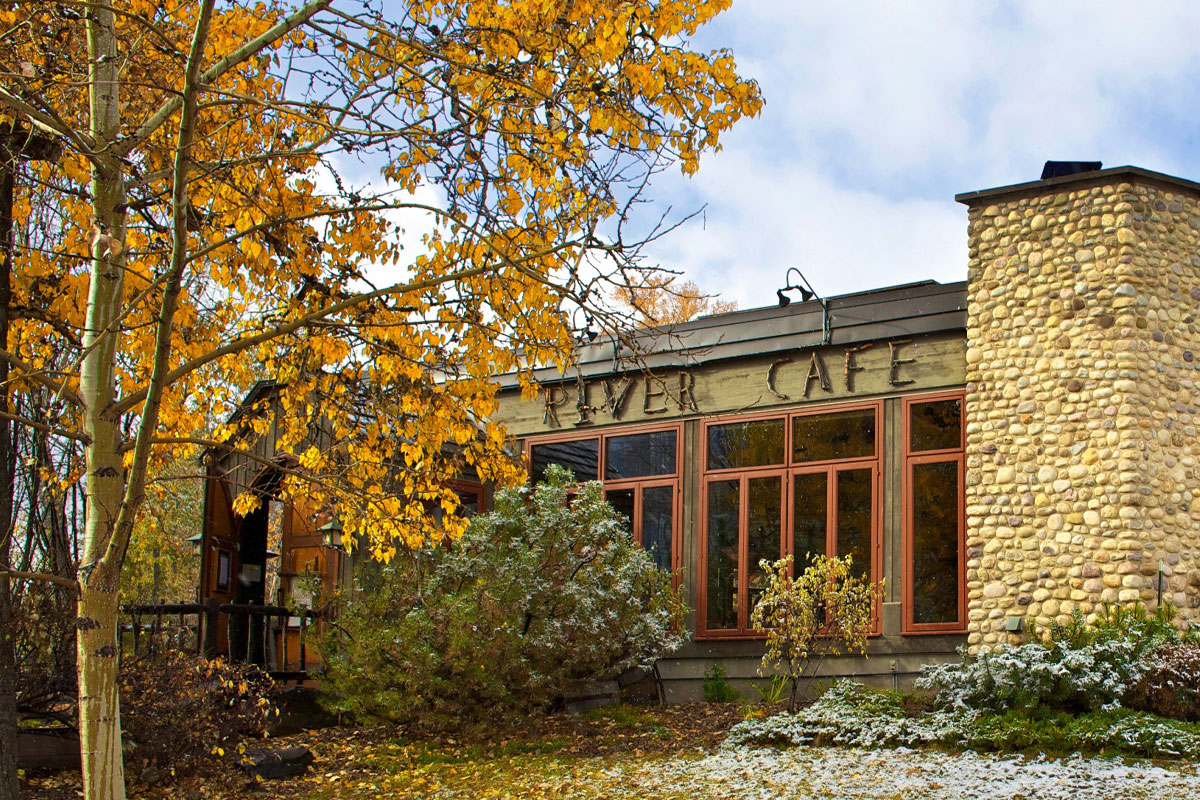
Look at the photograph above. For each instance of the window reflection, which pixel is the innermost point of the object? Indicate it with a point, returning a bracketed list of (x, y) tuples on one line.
[(765, 520), (809, 515), (745, 444), (622, 502), (722, 584), (640, 455), (935, 542), (657, 518), (936, 425), (854, 503), (842, 434), (581, 456)]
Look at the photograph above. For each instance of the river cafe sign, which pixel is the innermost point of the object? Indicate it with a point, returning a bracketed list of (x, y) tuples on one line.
[(615, 395)]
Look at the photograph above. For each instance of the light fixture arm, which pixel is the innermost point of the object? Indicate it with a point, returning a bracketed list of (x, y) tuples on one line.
[(807, 292)]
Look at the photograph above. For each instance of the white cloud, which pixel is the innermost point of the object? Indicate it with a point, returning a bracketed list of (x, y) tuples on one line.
[(878, 113)]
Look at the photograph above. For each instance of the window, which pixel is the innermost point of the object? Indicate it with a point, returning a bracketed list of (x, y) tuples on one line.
[(934, 546), (224, 560), (640, 470), (804, 483)]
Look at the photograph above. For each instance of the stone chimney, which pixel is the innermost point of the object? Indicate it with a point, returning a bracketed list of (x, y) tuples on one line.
[(1083, 356)]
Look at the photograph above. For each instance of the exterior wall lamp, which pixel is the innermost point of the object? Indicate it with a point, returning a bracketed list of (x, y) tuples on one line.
[(806, 293)]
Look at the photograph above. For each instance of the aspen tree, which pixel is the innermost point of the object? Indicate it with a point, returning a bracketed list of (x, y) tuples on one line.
[(217, 229)]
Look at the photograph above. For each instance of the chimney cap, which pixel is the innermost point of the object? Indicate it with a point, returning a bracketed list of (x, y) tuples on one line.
[(1058, 169)]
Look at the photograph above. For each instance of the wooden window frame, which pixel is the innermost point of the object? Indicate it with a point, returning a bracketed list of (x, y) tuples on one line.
[(911, 458), (786, 469), (465, 486), (674, 480)]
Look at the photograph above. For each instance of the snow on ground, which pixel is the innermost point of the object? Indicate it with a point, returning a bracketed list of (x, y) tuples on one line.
[(900, 774)]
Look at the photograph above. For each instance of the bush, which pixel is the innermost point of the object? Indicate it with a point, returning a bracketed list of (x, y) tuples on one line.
[(716, 686), (851, 715), (1080, 668), (823, 611), (1170, 682), (531, 604), (176, 709), (1090, 677)]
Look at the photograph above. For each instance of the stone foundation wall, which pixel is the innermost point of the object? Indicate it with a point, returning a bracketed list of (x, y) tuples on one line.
[(1082, 407)]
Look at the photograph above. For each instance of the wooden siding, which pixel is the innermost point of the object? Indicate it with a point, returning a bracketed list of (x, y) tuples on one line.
[(757, 383)]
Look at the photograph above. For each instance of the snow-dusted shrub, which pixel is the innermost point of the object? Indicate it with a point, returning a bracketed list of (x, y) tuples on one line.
[(1137, 733), (1084, 678), (1082, 667), (533, 602), (851, 715), (1170, 682)]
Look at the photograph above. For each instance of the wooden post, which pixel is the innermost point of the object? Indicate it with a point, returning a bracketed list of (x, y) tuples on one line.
[(210, 620)]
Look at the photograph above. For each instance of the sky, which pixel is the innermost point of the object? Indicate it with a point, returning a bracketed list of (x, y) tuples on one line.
[(878, 113)]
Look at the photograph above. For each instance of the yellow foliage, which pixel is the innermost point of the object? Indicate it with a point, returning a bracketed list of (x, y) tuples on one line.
[(207, 226)]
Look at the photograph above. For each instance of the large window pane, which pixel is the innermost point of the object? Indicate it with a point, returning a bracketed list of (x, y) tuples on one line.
[(657, 513), (622, 502), (844, 434), (721, 581), (639, 455), (745, 444), (936, 425), (581, 456), (854, 497), (810, 515), (764, 518), (936, 495)]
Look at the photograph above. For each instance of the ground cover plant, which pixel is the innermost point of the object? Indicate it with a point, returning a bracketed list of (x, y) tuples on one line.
[(536, 601), (1126, 684)]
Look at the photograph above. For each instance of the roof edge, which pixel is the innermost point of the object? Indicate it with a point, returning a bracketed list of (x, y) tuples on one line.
[(1081, 178)]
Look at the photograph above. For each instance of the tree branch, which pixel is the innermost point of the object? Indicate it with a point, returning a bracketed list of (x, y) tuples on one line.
[(218, 69), (39, 376), (45, 577), (41, 426), (135, 483), (129, 401)]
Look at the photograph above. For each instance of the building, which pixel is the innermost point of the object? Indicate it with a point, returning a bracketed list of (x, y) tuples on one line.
[(1000, 452)]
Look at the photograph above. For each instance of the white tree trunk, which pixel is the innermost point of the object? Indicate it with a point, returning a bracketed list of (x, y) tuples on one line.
[(99, 570)]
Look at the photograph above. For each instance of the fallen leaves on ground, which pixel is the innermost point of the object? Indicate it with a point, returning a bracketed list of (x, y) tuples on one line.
[(552, 756)]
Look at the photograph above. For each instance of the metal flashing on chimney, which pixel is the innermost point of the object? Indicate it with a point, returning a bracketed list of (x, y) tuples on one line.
[(1057, 169)]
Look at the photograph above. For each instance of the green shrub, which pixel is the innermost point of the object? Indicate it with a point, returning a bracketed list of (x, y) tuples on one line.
[(851, 715), (716, 686), (535, 601), (1080, 668)]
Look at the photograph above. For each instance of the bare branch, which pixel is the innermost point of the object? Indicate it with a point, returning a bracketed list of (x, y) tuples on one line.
[(45, 577)]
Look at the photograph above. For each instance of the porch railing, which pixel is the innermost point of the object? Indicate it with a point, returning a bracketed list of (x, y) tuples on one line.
[(273, 637)]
